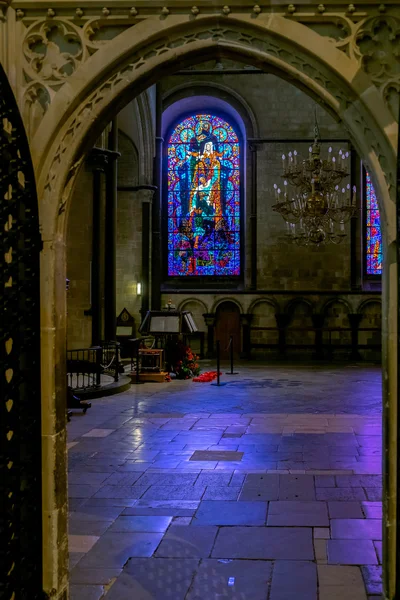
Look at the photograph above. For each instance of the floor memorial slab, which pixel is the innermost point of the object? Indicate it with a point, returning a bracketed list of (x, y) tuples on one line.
[(219, 455), (285, 543), (184, 491), (302, 513), (231, 513)]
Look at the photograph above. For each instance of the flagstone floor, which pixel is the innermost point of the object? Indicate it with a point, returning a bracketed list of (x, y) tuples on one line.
[(266, 488)]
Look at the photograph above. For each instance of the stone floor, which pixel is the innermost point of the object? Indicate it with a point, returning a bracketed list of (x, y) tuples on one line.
[(266, 488)]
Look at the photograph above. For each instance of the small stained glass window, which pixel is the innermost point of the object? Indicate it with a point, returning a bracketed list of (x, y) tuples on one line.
[(373, 231), (204, 206)]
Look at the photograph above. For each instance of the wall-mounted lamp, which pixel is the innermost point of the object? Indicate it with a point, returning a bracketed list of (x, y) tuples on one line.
[(139, 289)]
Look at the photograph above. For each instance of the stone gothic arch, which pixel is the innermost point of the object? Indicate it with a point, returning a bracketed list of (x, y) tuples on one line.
[(220, 92), (130, 63)]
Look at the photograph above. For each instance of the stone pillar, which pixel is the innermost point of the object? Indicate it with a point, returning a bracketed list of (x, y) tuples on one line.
[(253, 215), (246, 329), (318, 323), (98, 162), (356, 225), (282, 321), (144, 194), (110, 266), (54, 450), (156, 259), (354, 320), (7, 33), (209, 319)]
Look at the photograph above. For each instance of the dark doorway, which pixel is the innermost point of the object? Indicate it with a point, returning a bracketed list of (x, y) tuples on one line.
[(227, 324)]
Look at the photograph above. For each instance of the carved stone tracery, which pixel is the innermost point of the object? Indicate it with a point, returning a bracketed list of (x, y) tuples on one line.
[(378, 44), (55, 47), (53, 50)]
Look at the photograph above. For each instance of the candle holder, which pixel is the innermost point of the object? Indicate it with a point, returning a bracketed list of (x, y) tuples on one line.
[(315, 204)]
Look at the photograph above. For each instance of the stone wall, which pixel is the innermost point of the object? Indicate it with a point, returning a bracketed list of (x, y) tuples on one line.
[(282, 265), (299, 315)]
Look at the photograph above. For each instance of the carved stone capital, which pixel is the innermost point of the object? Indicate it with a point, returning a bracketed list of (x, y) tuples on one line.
[(209, 319), (318, 321), (144, 193), (282, 320), (354, 320), (98, 159), (246, 318)]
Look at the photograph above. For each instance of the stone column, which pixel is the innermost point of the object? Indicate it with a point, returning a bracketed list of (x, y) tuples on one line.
[(318, 323), (110, 266), (144, 194), (253, 147), (209, 319), (7, 33), (282, 321), (356, 224), (354, 320), (156, 259), (246, 328), (98, 162)]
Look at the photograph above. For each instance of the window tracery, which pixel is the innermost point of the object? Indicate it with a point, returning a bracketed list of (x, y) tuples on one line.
[(373, 238), (204, 204)]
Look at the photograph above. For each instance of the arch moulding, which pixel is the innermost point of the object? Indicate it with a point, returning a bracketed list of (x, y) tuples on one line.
[(216, 90), (266, 300), (228, 299), (111, 78), (193, 300)]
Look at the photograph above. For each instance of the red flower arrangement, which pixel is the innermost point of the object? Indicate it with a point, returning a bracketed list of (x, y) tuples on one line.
[(206, 377), (187, 367)]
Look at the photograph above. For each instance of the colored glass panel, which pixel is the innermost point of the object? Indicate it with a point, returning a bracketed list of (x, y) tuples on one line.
[(374, 234), (203, 162)]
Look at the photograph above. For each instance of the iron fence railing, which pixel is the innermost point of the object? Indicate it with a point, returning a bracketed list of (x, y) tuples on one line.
[(110, 359), (84, 368)]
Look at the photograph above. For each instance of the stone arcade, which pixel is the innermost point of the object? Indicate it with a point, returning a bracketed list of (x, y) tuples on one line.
[(101, 90)]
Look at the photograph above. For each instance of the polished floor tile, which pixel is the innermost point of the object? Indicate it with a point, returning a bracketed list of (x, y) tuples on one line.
[(289, 482), (187, 542), (231, 513)]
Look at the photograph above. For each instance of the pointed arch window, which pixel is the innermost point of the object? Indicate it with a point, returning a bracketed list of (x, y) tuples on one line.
[(373, 233), (204, 198)]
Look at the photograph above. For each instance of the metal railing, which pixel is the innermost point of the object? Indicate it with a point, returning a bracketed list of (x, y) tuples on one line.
[(110, 359), (84, 368)]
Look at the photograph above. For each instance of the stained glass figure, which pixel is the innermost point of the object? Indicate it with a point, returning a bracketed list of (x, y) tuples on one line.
[(203, 198), (373, 231)]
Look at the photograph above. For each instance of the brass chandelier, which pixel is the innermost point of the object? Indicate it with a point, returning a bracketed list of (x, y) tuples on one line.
[(319, 205)]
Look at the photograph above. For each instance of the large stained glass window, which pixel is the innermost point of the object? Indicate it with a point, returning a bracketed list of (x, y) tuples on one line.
[(203, 198), (373, 231)]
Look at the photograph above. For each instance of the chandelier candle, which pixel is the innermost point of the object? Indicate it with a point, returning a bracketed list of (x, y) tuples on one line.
[(313, 196)]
